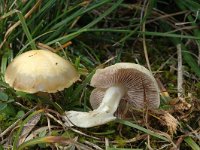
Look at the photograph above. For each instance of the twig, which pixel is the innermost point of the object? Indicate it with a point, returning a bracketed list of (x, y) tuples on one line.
[(24, 107), (56, 120), (49, 125), (148, 143), (180, 72), (106, 143), (93, 145)]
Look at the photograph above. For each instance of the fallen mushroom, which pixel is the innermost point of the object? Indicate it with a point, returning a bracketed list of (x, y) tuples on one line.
[(130, 81), (40, 71)]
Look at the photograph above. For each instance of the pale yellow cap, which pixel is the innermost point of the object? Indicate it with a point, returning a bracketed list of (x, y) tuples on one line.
[(40, 71), (141, 87)]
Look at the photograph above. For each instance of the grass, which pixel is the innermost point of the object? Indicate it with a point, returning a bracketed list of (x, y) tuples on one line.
[(95, 34)]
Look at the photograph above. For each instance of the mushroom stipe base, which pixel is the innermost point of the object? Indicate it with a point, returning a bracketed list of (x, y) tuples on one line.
[(87, 119)]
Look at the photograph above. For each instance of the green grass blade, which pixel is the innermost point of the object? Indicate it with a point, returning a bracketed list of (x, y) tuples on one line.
[(80, 12), (142, 129), (26, 30), (25, 46), (148, 33), (192, 143), (193, 5), (84, 29), (107, 12), (169, 35), (4, 61), (60, 27)]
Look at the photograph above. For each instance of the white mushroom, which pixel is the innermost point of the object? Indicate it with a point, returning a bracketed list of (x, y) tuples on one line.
[(123, 80), (40, 71)]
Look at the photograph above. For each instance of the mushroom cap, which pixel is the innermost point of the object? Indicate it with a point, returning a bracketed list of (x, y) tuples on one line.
[(141, 86), (40, 71)]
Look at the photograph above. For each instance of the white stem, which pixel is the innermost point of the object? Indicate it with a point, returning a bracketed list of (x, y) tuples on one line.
[(111, 99), (101, 115)]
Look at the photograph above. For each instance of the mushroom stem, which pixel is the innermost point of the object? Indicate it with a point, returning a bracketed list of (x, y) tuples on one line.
[(101, 115), (111, 99)]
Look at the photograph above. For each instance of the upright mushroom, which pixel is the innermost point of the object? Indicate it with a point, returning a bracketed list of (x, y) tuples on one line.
[(40, 71), (128, 81)]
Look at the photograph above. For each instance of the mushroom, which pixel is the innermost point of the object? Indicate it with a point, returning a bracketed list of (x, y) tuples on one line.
[(40, 71), (128, 81)]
